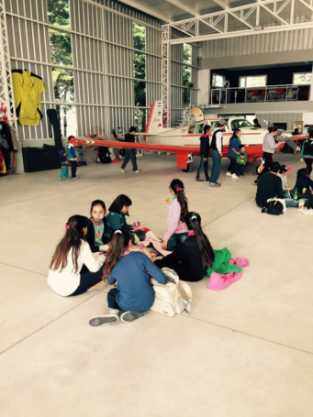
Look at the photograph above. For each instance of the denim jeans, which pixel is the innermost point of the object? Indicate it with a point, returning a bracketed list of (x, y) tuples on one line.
[(216, 166), (203, 166)]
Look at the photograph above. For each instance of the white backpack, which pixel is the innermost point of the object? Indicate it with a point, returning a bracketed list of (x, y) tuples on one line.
[(173, 298)]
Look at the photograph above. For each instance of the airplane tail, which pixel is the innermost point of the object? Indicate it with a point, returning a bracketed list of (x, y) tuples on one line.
[(155, 118)]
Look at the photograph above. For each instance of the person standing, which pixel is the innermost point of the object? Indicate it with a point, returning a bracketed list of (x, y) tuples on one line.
[(204, 153), (217, 153), (130, 154), (307, 152), (233, 153), (72, 156), (269, 147)]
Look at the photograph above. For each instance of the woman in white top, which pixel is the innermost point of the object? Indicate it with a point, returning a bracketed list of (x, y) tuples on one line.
[(74, 268)]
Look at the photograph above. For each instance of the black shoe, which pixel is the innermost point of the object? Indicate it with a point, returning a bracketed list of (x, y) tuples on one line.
[(199, 180)]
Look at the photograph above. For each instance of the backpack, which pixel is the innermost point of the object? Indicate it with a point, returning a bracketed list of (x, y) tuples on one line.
[(274, 206), (173, 298)]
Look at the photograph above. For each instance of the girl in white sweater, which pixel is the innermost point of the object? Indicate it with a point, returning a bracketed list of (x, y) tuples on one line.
[(74, 268)]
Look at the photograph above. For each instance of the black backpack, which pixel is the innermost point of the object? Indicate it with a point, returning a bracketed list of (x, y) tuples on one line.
[(273, 207)]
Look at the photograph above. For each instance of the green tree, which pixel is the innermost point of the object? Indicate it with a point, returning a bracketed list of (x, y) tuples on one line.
[(61, 54)]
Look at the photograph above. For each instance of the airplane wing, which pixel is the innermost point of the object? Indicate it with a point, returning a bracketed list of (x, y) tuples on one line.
[(108, 143)]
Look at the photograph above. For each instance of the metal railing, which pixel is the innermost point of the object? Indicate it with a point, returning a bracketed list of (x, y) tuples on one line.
[(270, 93)]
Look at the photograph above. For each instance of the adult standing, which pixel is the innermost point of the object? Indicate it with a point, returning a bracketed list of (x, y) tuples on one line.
[(307, 152), (217, 153), (204, 153), (130, 154), (233, 152), (269, 147)]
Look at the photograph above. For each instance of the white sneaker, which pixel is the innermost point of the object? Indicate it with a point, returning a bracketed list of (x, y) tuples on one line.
[(123, 171), (228, 174), (137, 172), (234, 177)]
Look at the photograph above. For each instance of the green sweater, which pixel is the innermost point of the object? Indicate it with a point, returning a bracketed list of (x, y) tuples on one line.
[(221, 263)]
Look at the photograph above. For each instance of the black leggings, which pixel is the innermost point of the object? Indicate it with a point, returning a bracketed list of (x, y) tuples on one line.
[(234, 168), (203, 166), (87, 280), (309, 163)]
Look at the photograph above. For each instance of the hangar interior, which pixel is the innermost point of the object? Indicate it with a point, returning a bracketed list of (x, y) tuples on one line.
[(243, 352), (103, 63)]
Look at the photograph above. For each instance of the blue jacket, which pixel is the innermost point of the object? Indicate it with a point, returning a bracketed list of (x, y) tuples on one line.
[(234, 145), (132, 275)]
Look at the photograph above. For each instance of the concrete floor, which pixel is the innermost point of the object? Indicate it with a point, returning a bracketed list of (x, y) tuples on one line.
[(243, 352)]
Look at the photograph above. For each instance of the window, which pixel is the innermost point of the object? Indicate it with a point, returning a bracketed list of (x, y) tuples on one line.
[(139, 41), (302, 78), (218, 80), (241, 124), (60, 47), (249, 81), (59, 13)]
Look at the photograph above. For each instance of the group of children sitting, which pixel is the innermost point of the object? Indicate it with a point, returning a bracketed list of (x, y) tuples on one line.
[(274, 196), (128, 256)]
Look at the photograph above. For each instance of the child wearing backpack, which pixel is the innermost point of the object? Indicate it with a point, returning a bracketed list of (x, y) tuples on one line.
[(133, 295)]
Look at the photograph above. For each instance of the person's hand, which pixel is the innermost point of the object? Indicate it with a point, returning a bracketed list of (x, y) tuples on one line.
[(164, 244)]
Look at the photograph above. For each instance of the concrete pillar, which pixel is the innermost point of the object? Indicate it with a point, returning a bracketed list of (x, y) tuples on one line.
[(203, 96)]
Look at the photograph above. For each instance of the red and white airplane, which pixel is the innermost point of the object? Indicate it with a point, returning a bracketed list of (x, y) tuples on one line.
[(184, 141)]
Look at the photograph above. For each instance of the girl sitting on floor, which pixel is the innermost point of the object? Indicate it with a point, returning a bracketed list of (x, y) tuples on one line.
[(192, 257), (132, 273), (66, 274), (178, 209), (118, 210), (98, 235), (140, 236)]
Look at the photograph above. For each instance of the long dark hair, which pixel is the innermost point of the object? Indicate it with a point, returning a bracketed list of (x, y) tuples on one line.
[(95, 203), (177, 186), (119, 202), (193, 221), (118, 244), (72, 240)]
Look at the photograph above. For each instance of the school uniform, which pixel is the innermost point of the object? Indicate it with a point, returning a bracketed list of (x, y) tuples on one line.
[(68, 282), (132, 275), (72, 158)]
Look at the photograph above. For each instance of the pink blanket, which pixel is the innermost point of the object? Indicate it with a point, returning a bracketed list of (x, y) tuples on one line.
[(219, 282)]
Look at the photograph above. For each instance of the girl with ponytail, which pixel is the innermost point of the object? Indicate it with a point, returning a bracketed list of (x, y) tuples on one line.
[(176, 222), (191, 258), (66, 274), (132, 273)]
